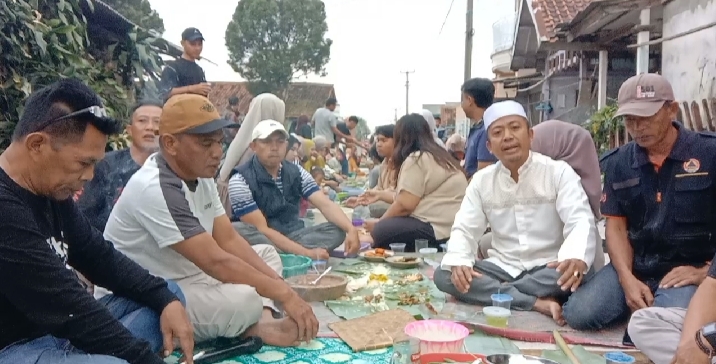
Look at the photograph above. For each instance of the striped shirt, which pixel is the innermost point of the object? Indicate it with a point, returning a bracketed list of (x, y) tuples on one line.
[(242, 200)]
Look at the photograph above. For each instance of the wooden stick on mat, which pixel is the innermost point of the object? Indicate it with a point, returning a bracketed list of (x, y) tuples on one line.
[(559, 340)]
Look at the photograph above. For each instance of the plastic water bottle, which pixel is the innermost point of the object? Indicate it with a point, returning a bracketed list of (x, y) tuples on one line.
[(361, 213)]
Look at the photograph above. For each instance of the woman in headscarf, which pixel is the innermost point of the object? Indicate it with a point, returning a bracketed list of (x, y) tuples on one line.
[(311, 157), (428, 115), (573, 144), (262, 107)]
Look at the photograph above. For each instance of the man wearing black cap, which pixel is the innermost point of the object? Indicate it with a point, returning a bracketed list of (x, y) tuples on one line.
[(184, 76)]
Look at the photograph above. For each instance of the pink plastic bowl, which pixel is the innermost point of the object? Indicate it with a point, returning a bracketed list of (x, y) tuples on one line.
[(438, 336)]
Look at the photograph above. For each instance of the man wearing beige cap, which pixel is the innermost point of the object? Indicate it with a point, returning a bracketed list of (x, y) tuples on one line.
[(169, 219), (658, 198)]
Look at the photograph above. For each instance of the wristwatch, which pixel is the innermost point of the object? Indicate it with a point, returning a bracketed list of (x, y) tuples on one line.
[(709, 333)]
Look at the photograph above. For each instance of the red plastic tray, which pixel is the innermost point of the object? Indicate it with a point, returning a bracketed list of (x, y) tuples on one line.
[(461, 357)]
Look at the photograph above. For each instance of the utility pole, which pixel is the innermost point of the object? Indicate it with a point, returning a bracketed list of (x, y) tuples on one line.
[(396, 114), (469, 32), (407, 90)]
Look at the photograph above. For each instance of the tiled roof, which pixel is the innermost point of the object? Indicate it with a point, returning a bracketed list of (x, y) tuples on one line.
[(301, 98), (550, 14)]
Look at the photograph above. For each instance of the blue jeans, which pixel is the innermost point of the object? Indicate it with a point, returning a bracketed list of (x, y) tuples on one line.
[(141, 321), (601, 302)]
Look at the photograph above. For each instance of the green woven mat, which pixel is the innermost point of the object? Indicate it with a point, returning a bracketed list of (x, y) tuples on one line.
[(354, 304), (319, 351)]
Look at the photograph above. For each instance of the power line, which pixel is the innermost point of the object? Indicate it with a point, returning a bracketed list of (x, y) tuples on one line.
[(446, 17)]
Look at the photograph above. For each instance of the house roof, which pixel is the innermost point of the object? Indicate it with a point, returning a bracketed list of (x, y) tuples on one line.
[(301, 97), (551, 14)]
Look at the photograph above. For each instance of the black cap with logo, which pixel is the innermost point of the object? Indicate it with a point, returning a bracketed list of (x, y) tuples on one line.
[(191, 34)]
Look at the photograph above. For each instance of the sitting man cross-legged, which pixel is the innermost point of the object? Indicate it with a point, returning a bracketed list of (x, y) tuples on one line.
[(170, 220), (265, 194), (46, 316), (543, 230), (659, 195)]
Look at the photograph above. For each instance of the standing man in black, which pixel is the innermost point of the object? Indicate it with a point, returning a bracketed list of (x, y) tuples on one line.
[(184, 76)]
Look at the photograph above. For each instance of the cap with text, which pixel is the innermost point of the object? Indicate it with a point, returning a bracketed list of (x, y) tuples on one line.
[(191, 34), (500, 110), (266, 128), (190, 114), (644, 95)]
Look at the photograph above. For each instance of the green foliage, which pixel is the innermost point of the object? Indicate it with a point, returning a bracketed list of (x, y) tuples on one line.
[(44, 40), (362, 130), (271, 42), (602, 125), (139, 12)]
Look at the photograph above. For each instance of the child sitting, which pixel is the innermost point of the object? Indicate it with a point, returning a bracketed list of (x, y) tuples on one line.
[(329, 187)]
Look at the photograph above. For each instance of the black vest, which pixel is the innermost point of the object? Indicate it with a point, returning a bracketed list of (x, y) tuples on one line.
[(280, 207)]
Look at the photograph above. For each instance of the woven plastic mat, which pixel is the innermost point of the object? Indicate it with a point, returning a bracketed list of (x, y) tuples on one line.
[(376, 331)]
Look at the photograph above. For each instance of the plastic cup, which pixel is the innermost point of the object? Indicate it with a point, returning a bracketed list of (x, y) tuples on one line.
[(497, 316), (428, 253), (357, 222), (397, 247), (443, 247), (420, 244), (617, 357), (501, 300), (319, 266)]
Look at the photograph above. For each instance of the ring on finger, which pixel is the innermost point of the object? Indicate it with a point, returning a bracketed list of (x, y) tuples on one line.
[(577, 274)]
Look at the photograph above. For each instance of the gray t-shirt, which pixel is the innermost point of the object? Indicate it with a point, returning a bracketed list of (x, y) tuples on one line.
[(325, 120)]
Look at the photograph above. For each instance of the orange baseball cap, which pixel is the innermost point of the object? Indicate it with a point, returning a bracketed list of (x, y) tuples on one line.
[(644, 95), (190, 114)]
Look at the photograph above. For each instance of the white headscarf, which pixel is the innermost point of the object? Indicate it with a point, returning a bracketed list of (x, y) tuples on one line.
[(428, 116), (262, 107)]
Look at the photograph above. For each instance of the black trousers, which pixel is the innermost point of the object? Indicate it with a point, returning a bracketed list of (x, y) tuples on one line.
[(403, 229)]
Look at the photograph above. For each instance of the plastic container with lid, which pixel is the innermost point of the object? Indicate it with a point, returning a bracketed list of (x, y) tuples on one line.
[(501, 300), (497, 316), (617, 357)]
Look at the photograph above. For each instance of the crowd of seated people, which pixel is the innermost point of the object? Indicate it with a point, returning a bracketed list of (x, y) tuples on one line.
[(189, 235)]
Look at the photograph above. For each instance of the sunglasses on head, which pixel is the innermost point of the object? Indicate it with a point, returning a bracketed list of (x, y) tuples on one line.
[(96, 111)]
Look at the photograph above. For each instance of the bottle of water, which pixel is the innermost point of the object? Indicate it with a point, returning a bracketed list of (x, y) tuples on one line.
[(360, 214)]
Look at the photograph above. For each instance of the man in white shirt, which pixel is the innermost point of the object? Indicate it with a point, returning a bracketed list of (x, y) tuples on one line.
[(543, 229), (169, 219)]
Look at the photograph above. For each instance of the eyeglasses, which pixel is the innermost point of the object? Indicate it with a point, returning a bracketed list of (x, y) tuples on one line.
[(96, 111)]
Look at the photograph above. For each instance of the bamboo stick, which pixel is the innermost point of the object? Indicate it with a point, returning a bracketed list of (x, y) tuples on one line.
[(559, 340)]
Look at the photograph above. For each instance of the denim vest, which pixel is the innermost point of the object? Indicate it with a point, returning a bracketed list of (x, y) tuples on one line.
[(279, 207)]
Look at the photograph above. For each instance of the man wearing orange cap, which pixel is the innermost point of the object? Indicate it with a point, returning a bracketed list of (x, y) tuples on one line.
[(169, 219)]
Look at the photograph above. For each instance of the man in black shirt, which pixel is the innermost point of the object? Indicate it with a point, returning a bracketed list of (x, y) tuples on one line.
[(112, 173), (345, 129), (184, 76), (46, 316)]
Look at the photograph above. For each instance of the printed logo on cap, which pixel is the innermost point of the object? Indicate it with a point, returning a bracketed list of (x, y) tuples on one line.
[(645, 92), (208, 107)]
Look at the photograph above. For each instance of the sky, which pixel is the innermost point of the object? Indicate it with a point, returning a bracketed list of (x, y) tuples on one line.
[(373, 42)]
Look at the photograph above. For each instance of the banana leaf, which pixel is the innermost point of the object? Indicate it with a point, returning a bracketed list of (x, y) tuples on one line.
[(354, 308), (481, 343), (583, 355)]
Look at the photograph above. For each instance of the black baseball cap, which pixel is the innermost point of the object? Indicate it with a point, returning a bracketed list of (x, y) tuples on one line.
[(191, 34)]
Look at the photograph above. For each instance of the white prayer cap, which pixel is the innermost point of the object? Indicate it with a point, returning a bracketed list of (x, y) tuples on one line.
[(502, 109)]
